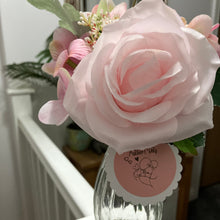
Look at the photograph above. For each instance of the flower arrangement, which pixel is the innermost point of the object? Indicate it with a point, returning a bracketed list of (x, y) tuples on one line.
[(133, 78)]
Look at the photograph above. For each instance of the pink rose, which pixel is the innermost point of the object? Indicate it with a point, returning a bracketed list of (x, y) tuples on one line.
[(147, 81)]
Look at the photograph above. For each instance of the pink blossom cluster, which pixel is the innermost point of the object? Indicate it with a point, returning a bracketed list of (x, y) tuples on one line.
[(67, 50)]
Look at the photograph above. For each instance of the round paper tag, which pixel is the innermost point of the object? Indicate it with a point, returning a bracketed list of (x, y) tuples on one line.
[(144, 176)]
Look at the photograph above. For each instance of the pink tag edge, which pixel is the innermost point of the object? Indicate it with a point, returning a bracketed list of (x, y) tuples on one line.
[(136, 200)]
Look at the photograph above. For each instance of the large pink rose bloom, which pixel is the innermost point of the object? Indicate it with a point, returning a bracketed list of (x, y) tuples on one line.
[(147, 82)]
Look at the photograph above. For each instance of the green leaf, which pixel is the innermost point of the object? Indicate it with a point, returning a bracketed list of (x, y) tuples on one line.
[(44, 56), (48, 40), (198, 140), (68, 14), (216, 89), (30, 72), (71, 12), (186, 146), (105, 6)]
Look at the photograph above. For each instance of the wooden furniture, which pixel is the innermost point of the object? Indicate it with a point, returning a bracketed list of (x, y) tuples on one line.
[(210, 170), (87, 162), (211, 161)]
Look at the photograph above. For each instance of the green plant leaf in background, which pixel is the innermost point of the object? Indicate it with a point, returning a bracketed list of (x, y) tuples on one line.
[(189, 145), (30, 72), (68, 15), (105, 6), (198, 140), (44, 56), (186, 146), (216, 89)]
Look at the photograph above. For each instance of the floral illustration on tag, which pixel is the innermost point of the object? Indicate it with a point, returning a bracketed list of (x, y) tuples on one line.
[(143, 165), (149, 175), (144, 170)]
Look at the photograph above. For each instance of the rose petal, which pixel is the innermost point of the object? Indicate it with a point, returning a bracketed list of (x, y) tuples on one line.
[(204, 64), (175, 70), (147, 116), (200, 120), (77, 91), (53, 112), (97, 80), (121, 50), (134, 78), (132, 137), (153, 6), (179, 95)]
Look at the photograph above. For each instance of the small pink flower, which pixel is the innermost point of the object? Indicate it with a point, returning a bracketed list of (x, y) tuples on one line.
[(203, 24), (66, 51), (118, 11), (61, 41), (94, 9), (71, 57), (53, 111)]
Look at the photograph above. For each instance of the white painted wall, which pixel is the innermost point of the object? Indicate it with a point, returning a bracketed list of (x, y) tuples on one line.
[(24, 31), (191, 8)]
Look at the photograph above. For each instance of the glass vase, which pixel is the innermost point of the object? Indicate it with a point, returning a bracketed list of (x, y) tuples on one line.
[(109, 206)]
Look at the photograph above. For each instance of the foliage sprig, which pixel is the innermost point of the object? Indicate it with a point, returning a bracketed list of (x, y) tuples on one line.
[(30, 72)]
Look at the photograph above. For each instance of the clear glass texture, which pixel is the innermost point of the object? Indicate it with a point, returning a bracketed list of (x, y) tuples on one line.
[(109, 206)]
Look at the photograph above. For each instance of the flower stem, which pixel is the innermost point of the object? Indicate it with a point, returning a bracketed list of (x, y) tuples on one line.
[(134, 3)]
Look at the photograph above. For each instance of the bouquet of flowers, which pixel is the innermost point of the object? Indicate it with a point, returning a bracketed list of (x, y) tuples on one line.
[(133, 78)]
